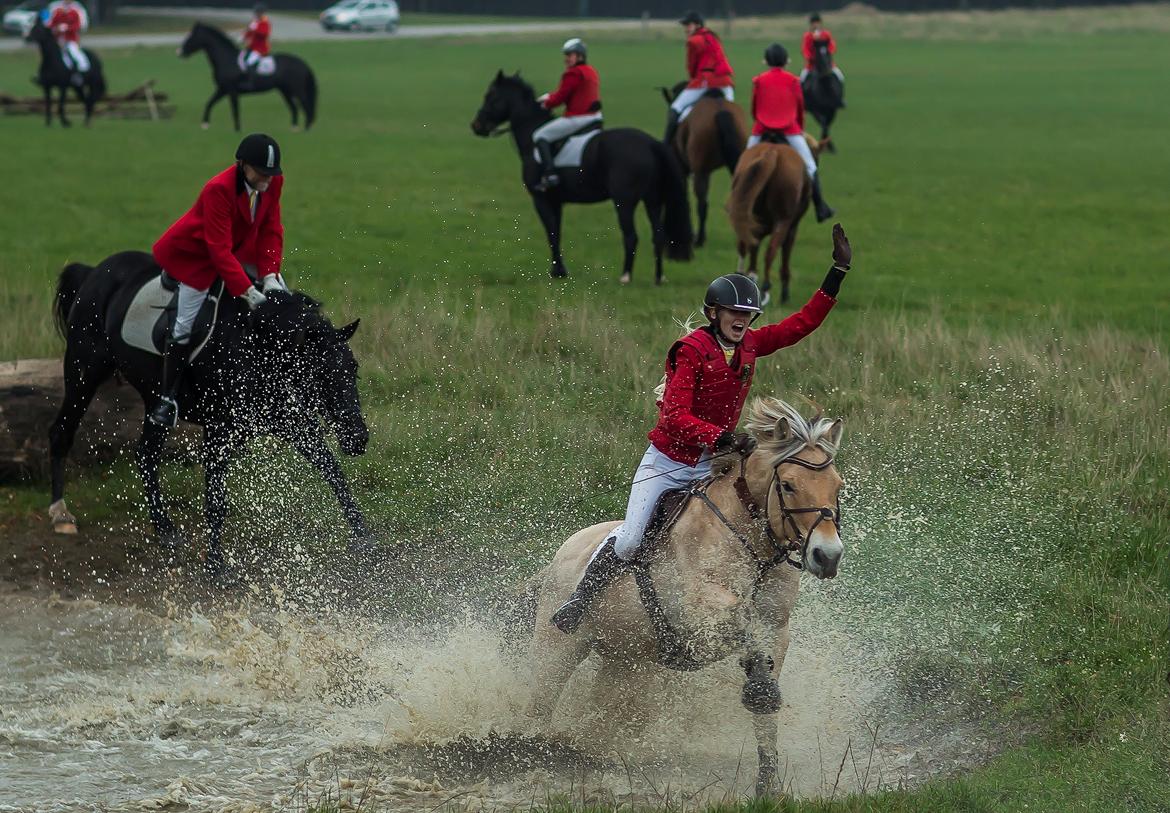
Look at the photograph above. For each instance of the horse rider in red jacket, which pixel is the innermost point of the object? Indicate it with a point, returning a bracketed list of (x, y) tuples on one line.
[(816, 35), (580, 93), (234, 225), (707, 69), (708, 374), (65, 23), (255, 38), (778, 108)]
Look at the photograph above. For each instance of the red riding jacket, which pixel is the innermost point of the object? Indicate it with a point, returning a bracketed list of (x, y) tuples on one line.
[(706, 64), (808, 46), (579, 91), (66, 24), (777, 103), (219, 234), (256, 35), (704, 395)]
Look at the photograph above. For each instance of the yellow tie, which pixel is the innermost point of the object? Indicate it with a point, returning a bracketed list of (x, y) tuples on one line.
[(252, 202)]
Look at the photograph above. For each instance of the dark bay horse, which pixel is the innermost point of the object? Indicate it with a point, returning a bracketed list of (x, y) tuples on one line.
[(824, 93), (292, 78), (54, 73), (711, 136), (283, 371), (770, 193), (624, 165)]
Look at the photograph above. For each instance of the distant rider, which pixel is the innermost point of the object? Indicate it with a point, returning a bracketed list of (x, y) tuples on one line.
[(707, 68), (580, 93), (778, 107), (235, 223), (256, 37), (65, 23), (816, 35), (708, 374)]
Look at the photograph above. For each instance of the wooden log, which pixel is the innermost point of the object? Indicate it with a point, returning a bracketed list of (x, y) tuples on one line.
[(31, 391)]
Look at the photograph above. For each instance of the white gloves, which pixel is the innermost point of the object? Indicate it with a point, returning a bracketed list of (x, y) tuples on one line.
[(253, 297), (542, 99), (273, 282)]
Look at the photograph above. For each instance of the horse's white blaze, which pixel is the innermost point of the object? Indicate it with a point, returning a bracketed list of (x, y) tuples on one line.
[(827, 543)]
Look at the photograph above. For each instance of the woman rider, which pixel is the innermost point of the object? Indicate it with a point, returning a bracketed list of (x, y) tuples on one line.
[(708, 375)]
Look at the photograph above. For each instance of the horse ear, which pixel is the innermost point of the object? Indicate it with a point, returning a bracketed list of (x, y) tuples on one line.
[(782, 432), (500, 75), (836, 431), (347, 332)]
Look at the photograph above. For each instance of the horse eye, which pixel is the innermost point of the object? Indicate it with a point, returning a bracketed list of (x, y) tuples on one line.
[(788, 487)]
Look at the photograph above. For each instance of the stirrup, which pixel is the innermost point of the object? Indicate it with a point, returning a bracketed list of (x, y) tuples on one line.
[(165, 412), (547, 182), (570, 615)]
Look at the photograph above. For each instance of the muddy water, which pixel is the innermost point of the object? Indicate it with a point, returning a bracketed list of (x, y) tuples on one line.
[(111, 707)]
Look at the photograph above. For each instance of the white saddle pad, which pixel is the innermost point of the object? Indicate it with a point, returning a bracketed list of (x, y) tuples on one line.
[(147, 307), (570, 154), (265, 67)]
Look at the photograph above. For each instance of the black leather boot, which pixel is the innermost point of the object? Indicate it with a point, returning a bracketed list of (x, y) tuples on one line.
[(166, 409), (605, 567), (671, 127), (548, 174), (824, 210)]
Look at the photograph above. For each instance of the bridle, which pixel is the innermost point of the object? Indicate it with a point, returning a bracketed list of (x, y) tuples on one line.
[(790, 549)]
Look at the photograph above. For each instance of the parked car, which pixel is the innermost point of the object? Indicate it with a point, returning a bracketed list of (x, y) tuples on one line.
[(361, 15), (20, 18)]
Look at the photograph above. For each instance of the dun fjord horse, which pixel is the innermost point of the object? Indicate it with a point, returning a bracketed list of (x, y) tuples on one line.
[(724, 579), (711, 136), (770, 193)]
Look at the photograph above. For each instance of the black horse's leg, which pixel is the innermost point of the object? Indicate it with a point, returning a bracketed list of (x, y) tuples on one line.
[(235, 100), (625, 215), (702, 186), (86, 98), (61, 106), (48, 103), (216, 458), (292, 105), (215, 97), (550, 216), (311, 446), (654, 213), (81, 382), (150, 449)]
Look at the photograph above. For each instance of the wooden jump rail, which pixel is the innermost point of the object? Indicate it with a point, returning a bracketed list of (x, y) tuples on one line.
[(143, 102)]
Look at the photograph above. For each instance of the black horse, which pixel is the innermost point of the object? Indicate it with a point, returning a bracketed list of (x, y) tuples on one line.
[(293, 77), (824, 92), (283, 371), (54, 73), (623, 165)]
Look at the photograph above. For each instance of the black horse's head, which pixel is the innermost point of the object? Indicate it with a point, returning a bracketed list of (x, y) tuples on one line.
[(506, 97), (38, 33), (316, 362), (822, 59), (200, 37)]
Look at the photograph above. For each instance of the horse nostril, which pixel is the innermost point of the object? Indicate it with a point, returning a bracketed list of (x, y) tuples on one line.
[(819, 557)]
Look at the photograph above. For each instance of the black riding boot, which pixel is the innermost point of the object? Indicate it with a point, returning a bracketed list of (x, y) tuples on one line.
[(548, 174), (604, 568), (175, 357), (824, 210), (671, 127)]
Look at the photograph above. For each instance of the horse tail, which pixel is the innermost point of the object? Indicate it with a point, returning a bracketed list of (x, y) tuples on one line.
[(310, 100), (68, 284), (746, 187), (730, 141), (677, 218)]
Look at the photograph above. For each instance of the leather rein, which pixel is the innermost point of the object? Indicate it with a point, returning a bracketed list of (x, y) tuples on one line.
[(784, 548)]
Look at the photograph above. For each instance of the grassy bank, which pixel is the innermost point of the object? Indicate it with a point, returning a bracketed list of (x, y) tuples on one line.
[(999, 353)]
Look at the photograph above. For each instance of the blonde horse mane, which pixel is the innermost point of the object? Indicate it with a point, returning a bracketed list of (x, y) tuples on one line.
[(764, 422)]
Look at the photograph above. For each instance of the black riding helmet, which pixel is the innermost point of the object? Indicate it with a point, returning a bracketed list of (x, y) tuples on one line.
[(776, 55), (691, 17), (734, 291), (259, 8), (261, 152), (815, 17)]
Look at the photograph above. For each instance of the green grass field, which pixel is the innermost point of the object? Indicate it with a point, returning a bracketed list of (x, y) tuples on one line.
[(999, 351)]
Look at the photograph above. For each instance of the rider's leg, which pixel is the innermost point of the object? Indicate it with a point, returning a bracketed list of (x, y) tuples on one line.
[(681, 104), (729, 93), (80, 60), (753, 141), (803, 74), (800, 144), (838, 74), (656, 473), (841, 83), (176, 355)]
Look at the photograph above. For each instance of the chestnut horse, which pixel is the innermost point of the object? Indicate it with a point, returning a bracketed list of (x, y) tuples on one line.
[(723, 579)]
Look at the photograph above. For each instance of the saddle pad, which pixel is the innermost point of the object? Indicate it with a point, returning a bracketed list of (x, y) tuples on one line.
[(571, 153), (265, 67), (152, 311)]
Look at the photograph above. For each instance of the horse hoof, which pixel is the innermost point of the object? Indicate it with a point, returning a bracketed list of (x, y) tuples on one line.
[(296, 128), (68, 528), (205, 126), (63, 521), (700, 241), (624, 279), (559, 273), (659, 280)]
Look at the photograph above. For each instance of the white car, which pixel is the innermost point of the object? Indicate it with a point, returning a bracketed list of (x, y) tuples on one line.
[(20, 19), (361, 15)]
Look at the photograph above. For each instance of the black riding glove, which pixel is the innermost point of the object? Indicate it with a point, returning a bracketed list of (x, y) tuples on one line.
[(842, 257), (740, 442)]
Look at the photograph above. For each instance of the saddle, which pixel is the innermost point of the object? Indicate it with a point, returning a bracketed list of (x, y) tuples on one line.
[(266, 66), (569, 151), (773, 137), (151, 315)]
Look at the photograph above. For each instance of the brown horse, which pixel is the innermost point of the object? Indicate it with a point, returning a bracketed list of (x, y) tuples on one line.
[(723, 580), (770, 193), (711, 136)]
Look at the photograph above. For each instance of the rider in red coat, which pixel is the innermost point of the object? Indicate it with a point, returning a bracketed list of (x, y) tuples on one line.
[(234, 224), (65, 23), (708, 375), (816, 35), (256, 37), (707, 69), (580, 93), (778, 109)]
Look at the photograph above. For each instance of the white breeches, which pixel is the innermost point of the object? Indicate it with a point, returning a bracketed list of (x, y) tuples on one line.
[(74, 56), (836, 72), (187, 308), (798, 143), (251, 58), (564, 127), (645, 492), (687, 98)]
